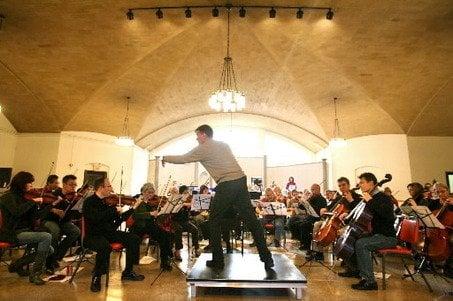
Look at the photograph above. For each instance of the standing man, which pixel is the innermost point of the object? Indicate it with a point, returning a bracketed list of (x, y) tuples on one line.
[(231, 191)]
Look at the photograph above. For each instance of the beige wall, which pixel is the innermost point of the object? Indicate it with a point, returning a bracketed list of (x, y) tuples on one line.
[(379, 154), (8, 141), (430, 157), (35, 153)]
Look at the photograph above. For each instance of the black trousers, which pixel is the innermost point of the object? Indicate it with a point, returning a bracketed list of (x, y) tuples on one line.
[(234, 194), (163, 238), (185, 226), (101, 244), (306, 230)]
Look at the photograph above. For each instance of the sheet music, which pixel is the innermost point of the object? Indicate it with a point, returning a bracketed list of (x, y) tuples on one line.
[(173, 205), (309, 208), (201, 202), (427, 217), (273, 208)]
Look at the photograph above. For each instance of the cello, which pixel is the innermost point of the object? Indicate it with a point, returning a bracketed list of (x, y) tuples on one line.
[(359, 225), (329, 229)]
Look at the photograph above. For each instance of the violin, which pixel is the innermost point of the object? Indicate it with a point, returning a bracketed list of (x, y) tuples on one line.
[(119, 199), (47, 197)]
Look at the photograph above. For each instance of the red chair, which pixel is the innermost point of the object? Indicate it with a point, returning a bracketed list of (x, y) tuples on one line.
[(6, 246), (116, 247), (409, 233)]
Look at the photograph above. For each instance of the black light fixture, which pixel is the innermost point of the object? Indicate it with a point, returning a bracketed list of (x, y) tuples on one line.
[(130, 15), (159, 14), (188, 13), (300, 14), (272, 13), (215, 12), (329, 15), (242, 12)]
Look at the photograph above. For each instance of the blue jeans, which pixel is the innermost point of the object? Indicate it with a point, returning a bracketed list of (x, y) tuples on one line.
[(279, 222), (43, 240), (363, 248)]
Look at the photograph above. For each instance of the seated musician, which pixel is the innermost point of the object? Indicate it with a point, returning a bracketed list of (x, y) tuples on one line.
[(145, 223), (446, 202), (298, 212), (102, 222), (52, 184), (58, 223), (183, 224), (277, 221), (383, 234), (19, 220), (317, 202), (347, 197), (417, 199)]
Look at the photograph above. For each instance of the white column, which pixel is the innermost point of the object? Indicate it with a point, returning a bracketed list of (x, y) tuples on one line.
[(325, 175), (195, 174), (264, 172), (156, 173)]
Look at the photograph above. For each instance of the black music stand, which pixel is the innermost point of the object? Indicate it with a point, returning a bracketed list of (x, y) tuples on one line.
[(429, 221)]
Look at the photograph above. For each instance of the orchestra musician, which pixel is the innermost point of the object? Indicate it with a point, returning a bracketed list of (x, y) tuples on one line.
[(277, 221), (348, 197), (291, 185), (58, 224), (183, 224), (305, 226), (20, 216), (145, 223), (231, 192), (102, 221), (445, 217), (415, 189), (383, 234), (52, 184)]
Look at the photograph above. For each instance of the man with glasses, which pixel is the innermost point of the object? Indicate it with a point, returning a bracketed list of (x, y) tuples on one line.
[(58, 226)]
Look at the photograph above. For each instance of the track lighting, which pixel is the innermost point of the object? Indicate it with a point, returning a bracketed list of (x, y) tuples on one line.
[(242, 12), (272, 13), (300, 14), (215, 12), (329, 15), (130, 15), (159, 14), (188, 13)]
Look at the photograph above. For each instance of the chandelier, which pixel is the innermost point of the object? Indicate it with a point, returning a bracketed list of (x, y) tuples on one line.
[(227, 98), (125, 139), (336, 141)]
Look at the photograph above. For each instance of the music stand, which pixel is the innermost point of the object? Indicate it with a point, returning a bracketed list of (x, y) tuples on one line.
[(429, 221)]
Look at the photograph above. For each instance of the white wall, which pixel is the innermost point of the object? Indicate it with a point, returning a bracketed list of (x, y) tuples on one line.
[(8, 141), (35, 153), (430, 158), (379, 154), (80, 151)]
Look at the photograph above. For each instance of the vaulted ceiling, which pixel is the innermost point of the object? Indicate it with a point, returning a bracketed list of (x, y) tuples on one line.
[(69, 65)]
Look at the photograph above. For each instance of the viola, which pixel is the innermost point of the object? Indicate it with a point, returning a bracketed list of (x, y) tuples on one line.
[(47, 196), (119, 199)]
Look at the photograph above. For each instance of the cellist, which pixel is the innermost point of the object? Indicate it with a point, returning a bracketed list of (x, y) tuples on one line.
[(347, 197), (445, 217)]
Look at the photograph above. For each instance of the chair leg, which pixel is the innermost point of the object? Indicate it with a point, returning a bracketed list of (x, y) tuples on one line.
[(107, 274), (407, 269), (383, 272)]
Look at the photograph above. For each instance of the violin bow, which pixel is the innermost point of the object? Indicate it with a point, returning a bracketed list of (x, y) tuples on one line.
[(52, 164)]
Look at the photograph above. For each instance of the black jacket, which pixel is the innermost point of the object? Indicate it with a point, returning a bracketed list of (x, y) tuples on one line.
[(383, 221)]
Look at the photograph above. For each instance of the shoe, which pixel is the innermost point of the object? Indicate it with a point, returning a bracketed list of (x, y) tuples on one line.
[(268, 264), (197, 252), (132, 276), (95, 284), (363, 285), (318, 256), (219, 265), (38, 267), (277, 243), (349, 274), (207, 248), (165, 265), (19, 265), (177, 256)]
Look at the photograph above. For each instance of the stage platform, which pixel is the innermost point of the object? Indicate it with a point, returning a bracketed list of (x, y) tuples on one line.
[(247, 271)]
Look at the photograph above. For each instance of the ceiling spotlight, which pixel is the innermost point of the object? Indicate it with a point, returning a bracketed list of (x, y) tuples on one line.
[(188, 13), (272, 13), (215, 12), (242, 12), (329, 15), (300, 14), (130, 15), (159, 14)]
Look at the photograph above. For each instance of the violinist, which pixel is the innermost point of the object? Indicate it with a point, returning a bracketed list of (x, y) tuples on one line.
[(277, 221), (19, 219), (417, 198), (58, 225), (52, 184), (383, 234), (183, 224), (102, 221), (347, 197), (445, 217), (145, 223)]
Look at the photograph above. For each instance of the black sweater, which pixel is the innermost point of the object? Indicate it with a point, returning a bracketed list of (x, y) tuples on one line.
[(317, 202), (101, 219), (383, 221)]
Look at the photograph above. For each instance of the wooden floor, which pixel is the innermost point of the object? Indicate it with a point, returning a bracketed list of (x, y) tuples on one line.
[(323, 284)]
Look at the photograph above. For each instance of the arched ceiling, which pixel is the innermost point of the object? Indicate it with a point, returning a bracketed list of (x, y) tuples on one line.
[(68, 65)]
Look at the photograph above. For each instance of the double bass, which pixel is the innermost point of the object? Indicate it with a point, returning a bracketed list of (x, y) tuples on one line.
[(359, 225)]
